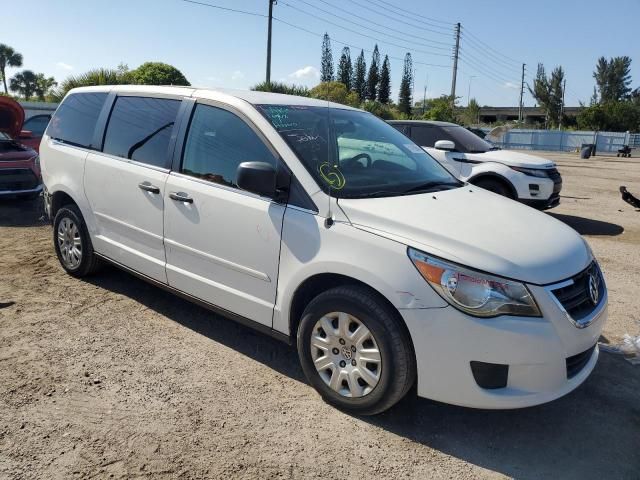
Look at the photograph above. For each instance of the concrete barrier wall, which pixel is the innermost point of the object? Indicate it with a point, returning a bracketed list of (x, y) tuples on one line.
[(38, 108)]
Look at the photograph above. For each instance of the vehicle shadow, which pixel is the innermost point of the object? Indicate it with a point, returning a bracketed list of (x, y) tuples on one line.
[(17, 212), (590, 433), (588, 226)]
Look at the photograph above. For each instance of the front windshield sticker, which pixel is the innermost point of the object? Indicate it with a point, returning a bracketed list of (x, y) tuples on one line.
[(413, 148), (332, 175), (279, 117)]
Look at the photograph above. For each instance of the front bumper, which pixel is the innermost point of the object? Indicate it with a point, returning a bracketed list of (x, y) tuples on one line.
[(19, 181), (540, 193), (540, 353)]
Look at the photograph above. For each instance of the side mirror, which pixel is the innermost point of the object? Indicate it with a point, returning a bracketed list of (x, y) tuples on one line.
[(257, 177), (25, 134), (446, 145)]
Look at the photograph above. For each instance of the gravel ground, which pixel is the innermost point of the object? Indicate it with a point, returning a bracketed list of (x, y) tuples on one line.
[(113, 378)]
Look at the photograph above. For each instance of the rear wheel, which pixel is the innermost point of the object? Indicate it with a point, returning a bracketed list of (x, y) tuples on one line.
[(72, 242), (354, 351), (495, 186)]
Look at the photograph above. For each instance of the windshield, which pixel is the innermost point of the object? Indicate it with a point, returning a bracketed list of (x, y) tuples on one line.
[(466, 141), (352, 154)]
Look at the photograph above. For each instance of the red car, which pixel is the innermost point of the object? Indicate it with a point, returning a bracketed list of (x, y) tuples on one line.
[(19, 163)]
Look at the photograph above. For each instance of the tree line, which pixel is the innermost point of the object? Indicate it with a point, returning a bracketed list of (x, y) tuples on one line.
[(350, 82), (614, 106), (29, 85)]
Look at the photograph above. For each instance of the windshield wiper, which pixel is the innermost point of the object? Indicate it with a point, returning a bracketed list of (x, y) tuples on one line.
[(432, 187)]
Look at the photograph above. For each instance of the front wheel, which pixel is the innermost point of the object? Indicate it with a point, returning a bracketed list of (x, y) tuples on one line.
[(354, 350), (495, 186)]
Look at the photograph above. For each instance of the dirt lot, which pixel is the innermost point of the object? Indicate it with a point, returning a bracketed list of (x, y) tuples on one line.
[(114, 378)]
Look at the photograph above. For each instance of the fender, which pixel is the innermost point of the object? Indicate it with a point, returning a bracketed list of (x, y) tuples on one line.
[(496, 176)]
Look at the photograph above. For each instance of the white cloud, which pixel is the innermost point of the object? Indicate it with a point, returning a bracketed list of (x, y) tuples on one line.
[(237, 75), (307, 73), (511, 85), (64, 66)]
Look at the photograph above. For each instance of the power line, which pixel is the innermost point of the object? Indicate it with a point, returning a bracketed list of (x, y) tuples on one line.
[(448, 44), (386, 15), (346, 44), (486, 45), (412, 15), (479, 66), (500, 63), (404, 47), (227, 9)]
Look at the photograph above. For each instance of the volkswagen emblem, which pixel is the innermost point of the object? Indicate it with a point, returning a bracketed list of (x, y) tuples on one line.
[(593, 288)]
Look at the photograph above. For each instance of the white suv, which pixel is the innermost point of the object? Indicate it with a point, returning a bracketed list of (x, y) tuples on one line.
[(531, 180), (321, 224)]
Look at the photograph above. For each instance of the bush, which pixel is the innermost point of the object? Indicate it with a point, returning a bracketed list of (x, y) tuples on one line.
[(612, 116), (158, 73), (335, 92), (279, 87)]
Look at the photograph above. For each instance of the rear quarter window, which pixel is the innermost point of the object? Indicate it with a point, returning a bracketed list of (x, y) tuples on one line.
[(75, 120)]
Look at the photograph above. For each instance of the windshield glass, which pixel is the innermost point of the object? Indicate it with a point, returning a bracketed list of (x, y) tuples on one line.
[(466, 141), (353, 154)]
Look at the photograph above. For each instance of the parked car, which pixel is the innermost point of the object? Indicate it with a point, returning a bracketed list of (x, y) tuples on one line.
[(322, 225), (19, 164), (33, 129), (529, 179)]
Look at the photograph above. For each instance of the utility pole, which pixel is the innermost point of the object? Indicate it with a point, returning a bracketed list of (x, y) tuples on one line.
[(424, 96), (271, 4), (564, 87), (455, 65), (520, 108), (471, 77)]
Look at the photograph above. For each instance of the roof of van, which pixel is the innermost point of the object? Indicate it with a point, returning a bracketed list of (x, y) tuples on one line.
[(250, 96), (425, 122)]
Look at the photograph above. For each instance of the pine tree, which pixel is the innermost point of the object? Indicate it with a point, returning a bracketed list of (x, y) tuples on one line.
[(404, 97), (384, 90), (373, 79), (359, 82), (326, 74), (345, 69)]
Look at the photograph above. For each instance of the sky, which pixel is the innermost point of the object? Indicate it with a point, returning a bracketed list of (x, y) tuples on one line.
[(222, 48)]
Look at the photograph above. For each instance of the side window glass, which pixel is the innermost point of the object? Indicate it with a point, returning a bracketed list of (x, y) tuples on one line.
[(139, 129), (218, 141), (76, 118), (37, 125)]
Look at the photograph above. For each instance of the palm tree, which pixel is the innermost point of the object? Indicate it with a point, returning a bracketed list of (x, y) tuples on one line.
[(98, 76), (8, 58), (44, 85), (25, 83)]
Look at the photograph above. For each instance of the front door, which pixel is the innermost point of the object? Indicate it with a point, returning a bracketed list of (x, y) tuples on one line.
[(222, 244), (125, 183)]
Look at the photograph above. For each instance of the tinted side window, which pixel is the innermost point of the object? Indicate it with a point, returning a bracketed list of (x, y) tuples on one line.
[(139, 129), (75, 119), (37, 125), (401, 128), (218, 141), (426, 136)]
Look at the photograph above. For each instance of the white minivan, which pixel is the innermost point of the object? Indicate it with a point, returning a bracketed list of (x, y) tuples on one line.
[(322, 225), (529, 179)]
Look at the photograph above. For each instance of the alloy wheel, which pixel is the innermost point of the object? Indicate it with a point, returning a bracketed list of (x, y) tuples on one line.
[(69, 243)]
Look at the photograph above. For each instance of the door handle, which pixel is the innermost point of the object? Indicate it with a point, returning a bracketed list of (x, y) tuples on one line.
[(180, 197), (147, 187)]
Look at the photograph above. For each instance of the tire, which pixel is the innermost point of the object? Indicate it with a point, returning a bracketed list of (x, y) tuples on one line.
[(72, 242), (495, 186), (388, 380)]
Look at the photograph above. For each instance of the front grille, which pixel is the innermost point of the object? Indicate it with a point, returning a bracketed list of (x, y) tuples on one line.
[(576, 363), (17, 179), (576, 297)]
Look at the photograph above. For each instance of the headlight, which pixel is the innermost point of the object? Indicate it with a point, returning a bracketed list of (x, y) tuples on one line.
[(532, 172), (475, 293)]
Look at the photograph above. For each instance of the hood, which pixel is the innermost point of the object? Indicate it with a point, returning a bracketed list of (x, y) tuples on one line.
[(478, 229), (512, 159), (11, 116)]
